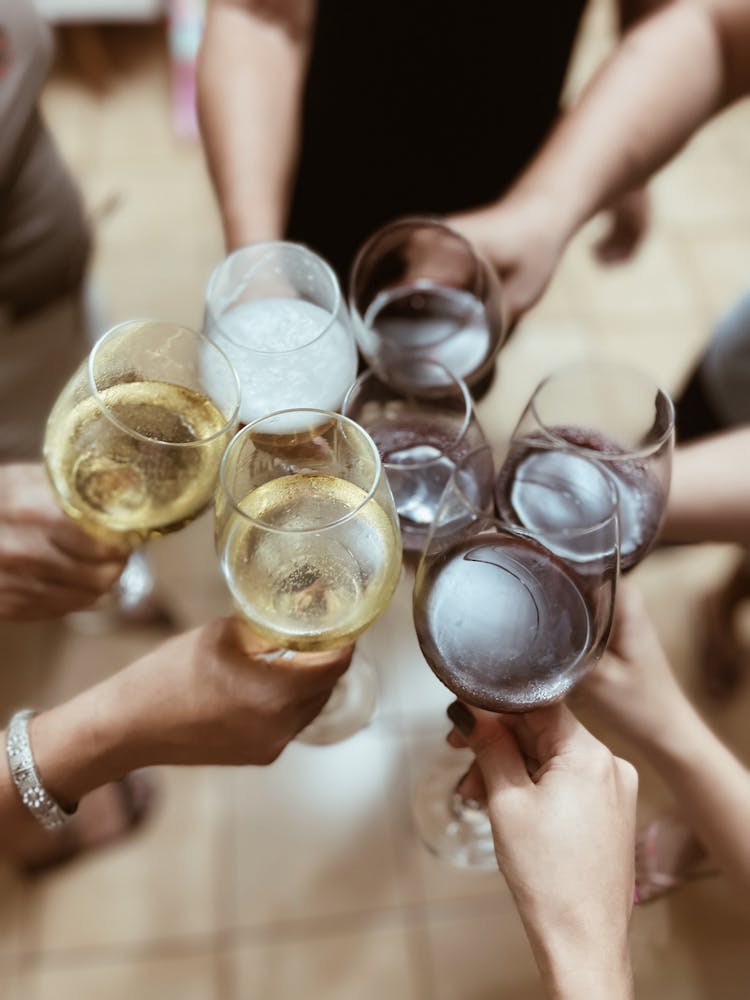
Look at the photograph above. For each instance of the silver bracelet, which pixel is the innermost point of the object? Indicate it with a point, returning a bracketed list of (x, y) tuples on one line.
[(23, 771)]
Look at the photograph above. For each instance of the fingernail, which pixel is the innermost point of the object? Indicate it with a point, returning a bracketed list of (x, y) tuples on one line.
[(461, 717)]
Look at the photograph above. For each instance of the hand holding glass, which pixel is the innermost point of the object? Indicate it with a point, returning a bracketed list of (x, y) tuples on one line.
[(306, 530), (509, 620)]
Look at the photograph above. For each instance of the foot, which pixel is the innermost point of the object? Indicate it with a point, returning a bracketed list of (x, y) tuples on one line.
[(667, 856), (103, 817)]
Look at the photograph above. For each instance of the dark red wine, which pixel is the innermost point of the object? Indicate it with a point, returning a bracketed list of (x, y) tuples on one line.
[(419, 455), (544, 489), (503, 623)]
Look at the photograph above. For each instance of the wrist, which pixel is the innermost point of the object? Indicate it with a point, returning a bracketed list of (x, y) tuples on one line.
[(78, 746), (584, 960)]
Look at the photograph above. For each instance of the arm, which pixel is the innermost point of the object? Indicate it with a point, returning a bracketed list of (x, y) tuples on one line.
[(564, 837), (251, 72), (634, 689), (637, 113), (198, 698), (710, 490)]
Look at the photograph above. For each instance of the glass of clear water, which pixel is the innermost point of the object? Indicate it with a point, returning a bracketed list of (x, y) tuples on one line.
[(418, 288)]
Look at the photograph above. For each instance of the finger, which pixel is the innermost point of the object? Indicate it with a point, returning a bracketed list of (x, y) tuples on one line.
[(496, 749), (547, 732), (472, 788), (34, 601), (83, 547)]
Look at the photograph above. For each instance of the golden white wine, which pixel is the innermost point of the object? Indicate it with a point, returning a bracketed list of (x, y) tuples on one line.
[(121, 486), (311, 583)]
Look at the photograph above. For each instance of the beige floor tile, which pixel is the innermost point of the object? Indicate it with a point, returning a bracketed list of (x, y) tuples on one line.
[(312, 834), (691, 945), (427, 877), (16, 927), (481, 955), (14, 987), (705, 187), (654, 276), (187, 976), (158, 884), (367, 964), (410, 698), (661, 342), (719, 261), (187, 570)]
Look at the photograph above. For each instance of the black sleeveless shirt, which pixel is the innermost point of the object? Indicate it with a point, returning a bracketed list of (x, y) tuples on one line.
[(422, 106)]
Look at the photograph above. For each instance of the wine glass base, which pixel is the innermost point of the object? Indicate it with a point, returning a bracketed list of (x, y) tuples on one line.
[(455, 831), (350, 707)]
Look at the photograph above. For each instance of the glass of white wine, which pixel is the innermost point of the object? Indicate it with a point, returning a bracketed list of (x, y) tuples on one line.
[(134, 441), (308, 538)]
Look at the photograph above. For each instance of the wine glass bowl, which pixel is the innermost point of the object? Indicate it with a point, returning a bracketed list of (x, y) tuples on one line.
[(602, 411), (418, 288), (420, 438), (134, 441), (510, 619), (307, 533), (277, 311)]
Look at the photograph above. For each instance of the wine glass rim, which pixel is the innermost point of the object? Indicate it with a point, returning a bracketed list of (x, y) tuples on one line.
[(147, 322), (622, 453), (330, 415), (461, 432), (215, 319), (557, 533), (426, 222)]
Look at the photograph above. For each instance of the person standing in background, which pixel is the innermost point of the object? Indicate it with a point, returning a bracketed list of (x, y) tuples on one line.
[(322, 121)]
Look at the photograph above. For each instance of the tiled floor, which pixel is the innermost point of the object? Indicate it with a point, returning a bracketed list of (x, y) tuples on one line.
[(304, 879)]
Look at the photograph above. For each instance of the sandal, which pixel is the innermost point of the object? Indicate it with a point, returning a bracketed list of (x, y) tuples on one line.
[(106, 815), (668, 855)]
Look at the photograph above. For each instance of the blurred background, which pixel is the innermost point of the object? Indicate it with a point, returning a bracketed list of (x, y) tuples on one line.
[(305, 879)]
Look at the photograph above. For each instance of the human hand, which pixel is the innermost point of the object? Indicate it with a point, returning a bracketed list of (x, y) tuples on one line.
[(518, 237), (48, 566), (562, 809), (210, 696), (628, 223), (633, 687)]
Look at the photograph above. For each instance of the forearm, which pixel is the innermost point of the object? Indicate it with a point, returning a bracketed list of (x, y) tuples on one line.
[(582, 965), (250, 80), (709, 497), (77, 746), (632, 117), (710, 786)]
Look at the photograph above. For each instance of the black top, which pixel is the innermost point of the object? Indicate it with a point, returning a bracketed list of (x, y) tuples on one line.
[(422, 106)]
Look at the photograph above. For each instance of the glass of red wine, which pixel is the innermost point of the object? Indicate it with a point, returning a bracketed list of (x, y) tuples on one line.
[(509, 619), (420, 439), (418, 288), (592, 410)]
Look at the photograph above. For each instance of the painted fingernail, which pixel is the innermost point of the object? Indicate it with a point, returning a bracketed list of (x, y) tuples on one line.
[(461, 717)]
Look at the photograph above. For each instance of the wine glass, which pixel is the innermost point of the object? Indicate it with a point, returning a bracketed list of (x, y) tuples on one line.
[(308, 540), (134, 441), (277, 312), (509, 619), (601, 410), (420, 438), (419, 288)]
